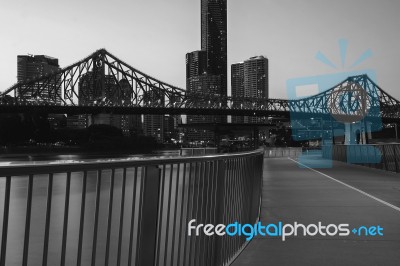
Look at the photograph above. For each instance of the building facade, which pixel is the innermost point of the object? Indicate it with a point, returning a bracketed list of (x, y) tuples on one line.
[(153, 125), (212, 58), (256, 77), (206, 70), (95, 88), (249, 79), (34, 66), (214, 39), (237, 86), (196, 65), (208, 85), (91, 89)]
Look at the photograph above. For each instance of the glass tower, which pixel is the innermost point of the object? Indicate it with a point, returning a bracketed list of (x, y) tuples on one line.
[(214, 38)]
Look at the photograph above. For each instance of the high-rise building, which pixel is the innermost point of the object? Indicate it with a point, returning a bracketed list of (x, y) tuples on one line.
[(250, 79), (90, 91), (237, 86), (33, 66), (30, 67), (170, 125), (95, 88), (237, 79), (209, 85), (206, 70), (214, 38), (130, 124), (91, 88), (153, 125), (196, 65), (256, 77), (212, 58)]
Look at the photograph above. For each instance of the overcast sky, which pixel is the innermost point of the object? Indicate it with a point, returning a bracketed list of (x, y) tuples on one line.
[(154, 35)]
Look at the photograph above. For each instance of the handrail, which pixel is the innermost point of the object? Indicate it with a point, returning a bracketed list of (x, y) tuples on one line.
[(385, 156), (101, 164)]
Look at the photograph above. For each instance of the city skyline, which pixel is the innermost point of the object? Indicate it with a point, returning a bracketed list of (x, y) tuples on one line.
[(254, 28)]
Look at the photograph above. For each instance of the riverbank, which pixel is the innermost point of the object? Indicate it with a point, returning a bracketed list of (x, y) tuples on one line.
[(37, 153)]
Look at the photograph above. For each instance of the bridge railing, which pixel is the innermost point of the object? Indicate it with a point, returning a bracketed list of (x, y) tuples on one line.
[(274, 152), (127, 212), (197, 151), (380, 156)]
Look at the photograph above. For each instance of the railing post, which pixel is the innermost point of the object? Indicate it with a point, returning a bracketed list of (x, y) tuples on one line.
[(5, 221), (220, 212), (396, 163), (48, 216), (147, 245), (384, 157), (28, 220), (256, 187)]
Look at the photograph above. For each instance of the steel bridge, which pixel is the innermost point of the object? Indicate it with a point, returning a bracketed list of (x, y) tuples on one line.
[(102, 83)]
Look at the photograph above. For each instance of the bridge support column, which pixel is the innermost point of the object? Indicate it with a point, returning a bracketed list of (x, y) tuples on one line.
[(256, 137), (348, 136), (217, 138), (367, 132), (332, 132), (364, 131), (357, 133), (90, 120)]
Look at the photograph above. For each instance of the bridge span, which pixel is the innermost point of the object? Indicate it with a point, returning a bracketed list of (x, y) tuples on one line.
[(103, 83)]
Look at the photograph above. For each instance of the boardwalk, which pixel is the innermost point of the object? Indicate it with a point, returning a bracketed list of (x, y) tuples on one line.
[(329, 196)]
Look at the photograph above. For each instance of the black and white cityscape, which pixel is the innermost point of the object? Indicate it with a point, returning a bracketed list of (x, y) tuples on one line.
[(236, 151), (102, 80)]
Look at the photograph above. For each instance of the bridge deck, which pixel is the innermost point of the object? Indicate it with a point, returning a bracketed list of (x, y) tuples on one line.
[(293, 194)]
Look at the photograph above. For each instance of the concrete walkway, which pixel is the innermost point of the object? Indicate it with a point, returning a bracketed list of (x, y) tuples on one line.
[(292, 194)]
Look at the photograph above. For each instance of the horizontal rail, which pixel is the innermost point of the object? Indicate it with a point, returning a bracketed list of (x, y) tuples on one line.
[(197, 151), (379, 156), (273, 152), (71, 166)]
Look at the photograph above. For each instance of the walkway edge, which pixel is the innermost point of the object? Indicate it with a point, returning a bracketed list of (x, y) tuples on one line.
[(349, 186)]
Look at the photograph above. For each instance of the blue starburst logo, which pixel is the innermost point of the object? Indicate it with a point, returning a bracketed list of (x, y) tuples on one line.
[(343, 45)]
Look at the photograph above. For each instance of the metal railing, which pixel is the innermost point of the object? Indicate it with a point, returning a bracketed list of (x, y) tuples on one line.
[(197, 151), (272, 152), (127, 212), (380, 156)]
